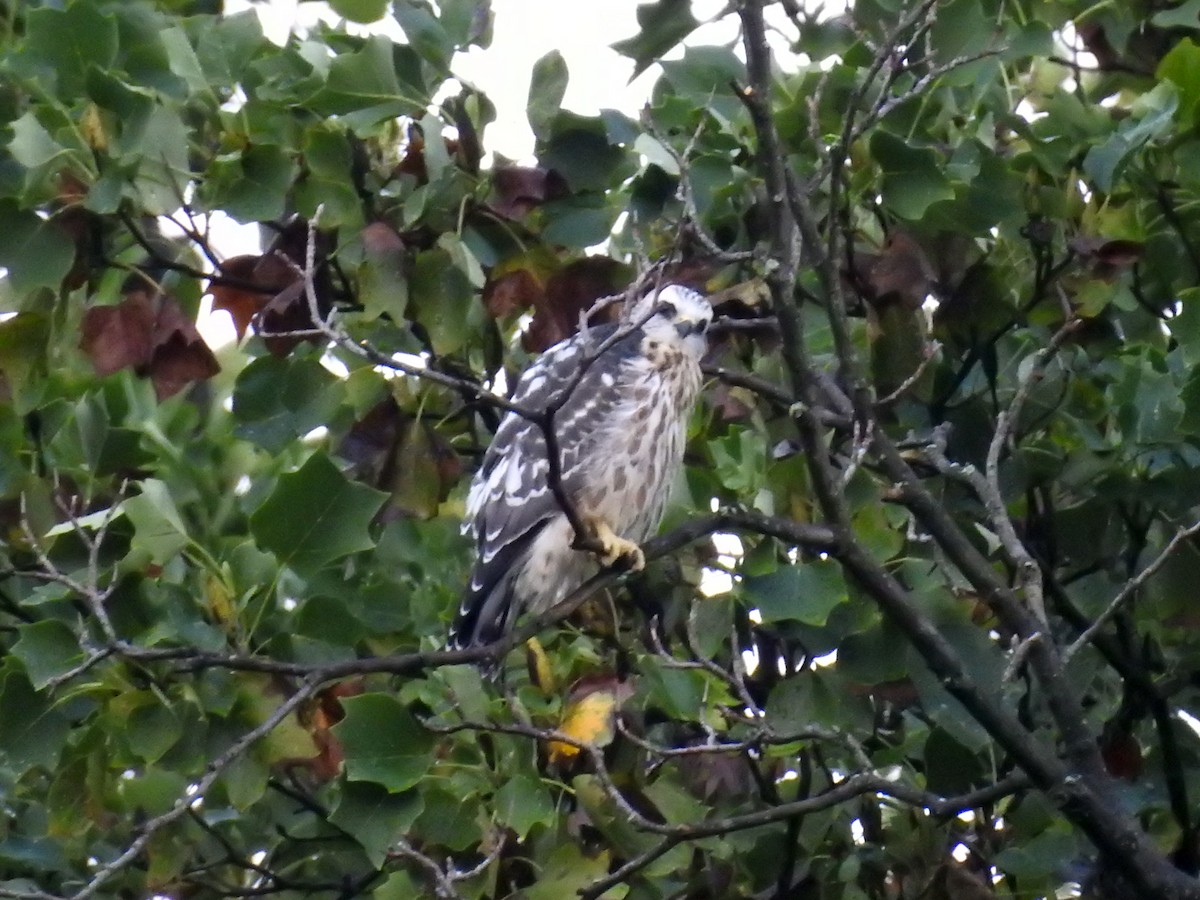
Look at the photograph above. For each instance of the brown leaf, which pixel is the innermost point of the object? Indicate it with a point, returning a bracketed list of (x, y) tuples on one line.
[(371, 441), (1108, 259), (900, 273), (318, 718), (78, 223), (150, 335), (179, 354), (287, 312), (518, 189), (413, 163), (954, 881), (714, 777), (1121, 752), (512, 292), (731, 404), (381, 240), (115, 337), (406, 456), (569, 292), (264, 277)]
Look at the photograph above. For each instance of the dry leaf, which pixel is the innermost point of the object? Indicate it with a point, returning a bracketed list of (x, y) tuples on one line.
[(152, 336), (517, 190), (590, 714)]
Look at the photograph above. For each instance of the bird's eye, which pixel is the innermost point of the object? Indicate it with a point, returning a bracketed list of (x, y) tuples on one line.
[(665, 309)]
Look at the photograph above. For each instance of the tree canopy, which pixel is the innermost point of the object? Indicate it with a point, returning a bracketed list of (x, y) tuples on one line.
[(920, 621)]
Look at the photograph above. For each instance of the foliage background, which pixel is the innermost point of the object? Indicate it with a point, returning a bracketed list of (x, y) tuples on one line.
[(951, 416)]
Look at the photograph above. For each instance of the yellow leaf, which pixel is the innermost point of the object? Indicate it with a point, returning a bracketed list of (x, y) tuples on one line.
[(589, 716), (220, 601), (541, 673), (92, 127)]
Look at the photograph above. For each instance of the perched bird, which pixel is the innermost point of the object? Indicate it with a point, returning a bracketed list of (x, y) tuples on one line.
[(622, 396)]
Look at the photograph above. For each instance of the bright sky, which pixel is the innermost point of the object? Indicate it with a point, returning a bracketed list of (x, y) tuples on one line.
[(526, 30)]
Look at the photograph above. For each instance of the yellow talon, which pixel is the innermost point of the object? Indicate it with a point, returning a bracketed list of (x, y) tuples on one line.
[(615, 548)]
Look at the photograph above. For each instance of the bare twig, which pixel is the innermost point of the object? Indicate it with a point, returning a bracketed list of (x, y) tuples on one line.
[(1131, 587), (213, 771), (931, 355), (1029, 573)]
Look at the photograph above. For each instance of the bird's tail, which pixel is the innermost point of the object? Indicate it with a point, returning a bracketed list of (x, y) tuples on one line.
[(489, 607)]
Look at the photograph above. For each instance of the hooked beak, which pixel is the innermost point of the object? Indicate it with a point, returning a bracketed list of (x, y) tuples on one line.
[(687, 329)]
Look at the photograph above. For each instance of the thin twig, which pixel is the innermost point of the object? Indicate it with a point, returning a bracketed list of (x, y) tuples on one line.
[(1131, 587)]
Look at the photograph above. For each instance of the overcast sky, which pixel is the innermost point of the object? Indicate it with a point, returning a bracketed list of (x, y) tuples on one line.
[(525, 30)]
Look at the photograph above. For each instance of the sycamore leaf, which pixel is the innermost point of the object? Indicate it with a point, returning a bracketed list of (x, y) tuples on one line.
[(315, 516), (547, 87), (383, 742), (120, 336), (663, 24)]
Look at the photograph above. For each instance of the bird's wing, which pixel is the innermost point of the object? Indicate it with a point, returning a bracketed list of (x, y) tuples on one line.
[(511, 493), (510, 500)]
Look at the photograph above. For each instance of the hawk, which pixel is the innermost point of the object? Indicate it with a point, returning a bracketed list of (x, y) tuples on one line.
[(622, 396)]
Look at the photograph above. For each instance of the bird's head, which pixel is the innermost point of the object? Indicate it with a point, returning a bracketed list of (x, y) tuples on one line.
[(677, 315)]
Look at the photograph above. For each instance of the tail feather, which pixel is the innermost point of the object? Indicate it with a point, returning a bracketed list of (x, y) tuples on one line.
[(489, 606)]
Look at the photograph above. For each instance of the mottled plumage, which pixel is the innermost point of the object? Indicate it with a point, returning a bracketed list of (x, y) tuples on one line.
[(620, 428)]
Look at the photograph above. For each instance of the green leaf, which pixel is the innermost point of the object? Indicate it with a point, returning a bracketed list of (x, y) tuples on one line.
[(33, 732), (1151, 117), (913, 177), (680, 692), (252, 186), (316, 515), (152, 729), (383, 742), (1181, 66), (183, 59), (805, 593), (523, 802), (23, 340), (424, 32), (363, 11), (32, 145), (450, 819), (662, 24), (790, 707), (278, 400), (566, 872), (162, 172), (547, 87), (1041, 855), (158, 527), (579, 150), (36, 251), (226, 45), (46, 649), (1185, 15), (467, 22), (152, 792), (440, 298), (1185, 326), (375, 817), (577, 222), (398, 886), (62, 44)]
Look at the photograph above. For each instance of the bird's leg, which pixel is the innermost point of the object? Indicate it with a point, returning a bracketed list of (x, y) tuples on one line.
[(613, 547)]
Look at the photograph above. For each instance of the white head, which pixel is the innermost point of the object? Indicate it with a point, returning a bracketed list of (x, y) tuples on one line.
[(678, 316)]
